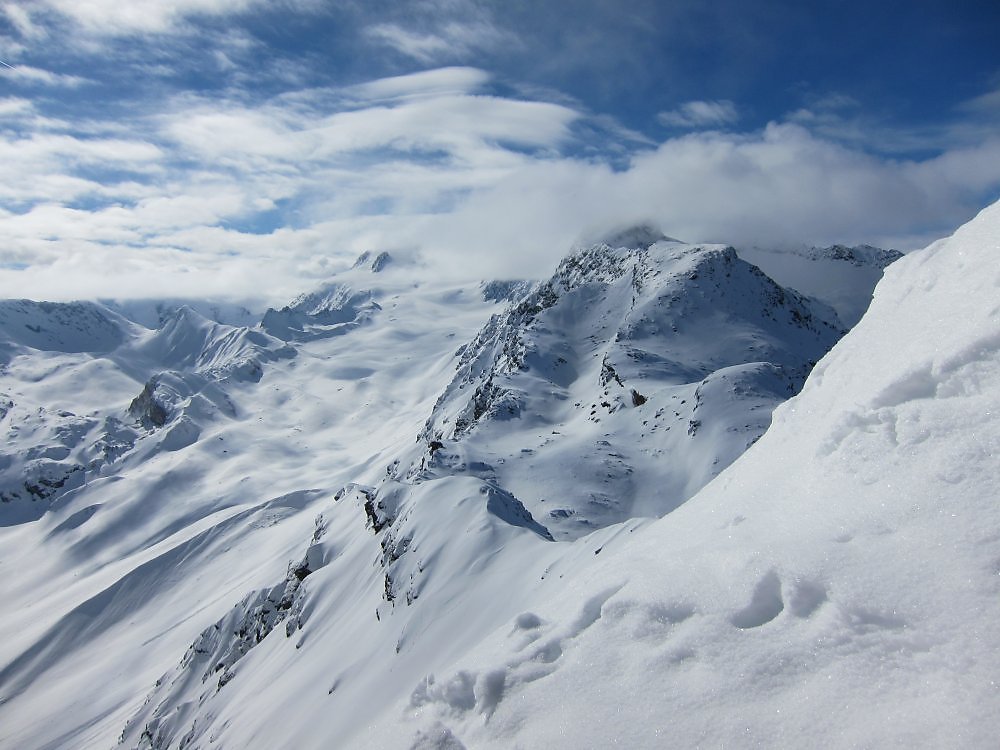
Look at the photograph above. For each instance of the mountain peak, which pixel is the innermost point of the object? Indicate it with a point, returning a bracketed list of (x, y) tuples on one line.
[(372, 261), (636, 236)]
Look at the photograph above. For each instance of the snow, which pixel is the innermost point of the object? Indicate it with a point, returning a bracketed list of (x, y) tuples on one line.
[(836, 587), (303, 548)]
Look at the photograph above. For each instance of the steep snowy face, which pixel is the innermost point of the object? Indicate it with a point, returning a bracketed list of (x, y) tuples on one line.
[(374, 262), (333, 311), (837, 586), (152, 313), (651, 365)]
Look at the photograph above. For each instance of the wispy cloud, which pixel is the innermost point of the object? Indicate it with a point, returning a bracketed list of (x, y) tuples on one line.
[(432, 32), (114, 18), (15, 106), (700, 114), (199, 169), (20, 18), (842, 118), (987, 104), (26, 74), (454, 40), (455, 80)]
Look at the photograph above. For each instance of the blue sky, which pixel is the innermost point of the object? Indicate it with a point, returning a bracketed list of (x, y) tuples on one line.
[(246, 148)]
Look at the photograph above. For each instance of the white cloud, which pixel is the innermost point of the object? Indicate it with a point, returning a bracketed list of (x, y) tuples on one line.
[(456, 80), (55, 167), (481, 185), (701, 114), (457, 127), (840, 118), (29, 75), (454, 40), (20, 18), (984, 104), (423, 48), (781, 185), (114, 18), (16, 106)]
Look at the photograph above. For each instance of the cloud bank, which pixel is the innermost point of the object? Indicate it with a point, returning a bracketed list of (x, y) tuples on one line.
[(228, 198), (170, 151)]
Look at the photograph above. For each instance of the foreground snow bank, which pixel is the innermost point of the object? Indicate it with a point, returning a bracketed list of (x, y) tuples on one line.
[(838, 586)]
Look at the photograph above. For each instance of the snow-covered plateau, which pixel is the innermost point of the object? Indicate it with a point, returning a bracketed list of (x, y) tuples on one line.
[(659, 499)]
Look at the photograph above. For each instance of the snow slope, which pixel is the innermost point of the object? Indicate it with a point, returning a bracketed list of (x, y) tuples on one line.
[(199, 456), (278, 535), (838, 586)]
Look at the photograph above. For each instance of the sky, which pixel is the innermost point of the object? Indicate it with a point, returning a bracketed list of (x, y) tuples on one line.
[(248, 149)]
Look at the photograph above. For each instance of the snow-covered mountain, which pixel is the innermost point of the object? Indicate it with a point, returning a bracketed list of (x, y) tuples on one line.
[(658, 362), (399, 514)]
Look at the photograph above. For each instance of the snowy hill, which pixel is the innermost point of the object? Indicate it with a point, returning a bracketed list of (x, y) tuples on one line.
[(425, 515)]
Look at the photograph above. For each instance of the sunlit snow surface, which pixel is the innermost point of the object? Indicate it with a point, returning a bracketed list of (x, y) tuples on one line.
[(298, 552), (839, 586)]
